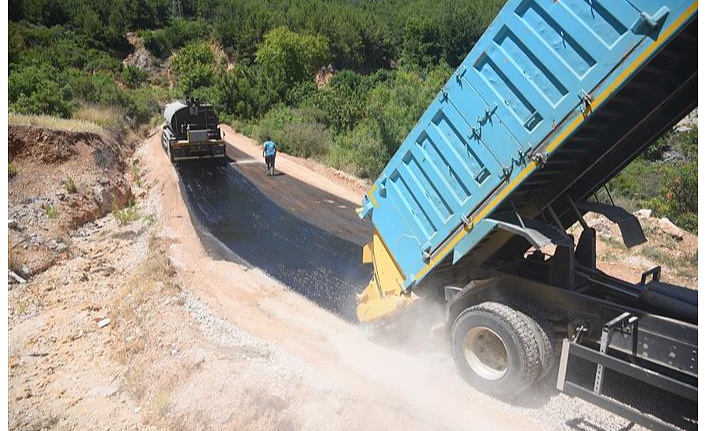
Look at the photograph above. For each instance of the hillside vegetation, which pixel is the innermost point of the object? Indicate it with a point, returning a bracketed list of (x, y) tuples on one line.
[(340, 81)]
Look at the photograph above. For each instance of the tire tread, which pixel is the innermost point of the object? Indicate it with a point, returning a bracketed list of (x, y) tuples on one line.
[(524, 331)]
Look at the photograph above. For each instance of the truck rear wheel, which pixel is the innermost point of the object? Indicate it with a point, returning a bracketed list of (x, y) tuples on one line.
[(496, 349), (543, 335)]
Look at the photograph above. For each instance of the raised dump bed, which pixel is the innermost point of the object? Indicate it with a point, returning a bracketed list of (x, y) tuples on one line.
[(553, 101)]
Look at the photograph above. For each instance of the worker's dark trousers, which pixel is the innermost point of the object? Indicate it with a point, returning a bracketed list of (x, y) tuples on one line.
[(270, 162)]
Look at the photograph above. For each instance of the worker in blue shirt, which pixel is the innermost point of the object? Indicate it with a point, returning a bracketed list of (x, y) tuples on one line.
[(270, 152)]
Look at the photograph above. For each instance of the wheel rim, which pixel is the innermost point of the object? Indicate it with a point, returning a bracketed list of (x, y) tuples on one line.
[(486, 353)]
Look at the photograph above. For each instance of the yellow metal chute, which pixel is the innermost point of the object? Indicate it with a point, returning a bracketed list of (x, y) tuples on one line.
[(383, 297)]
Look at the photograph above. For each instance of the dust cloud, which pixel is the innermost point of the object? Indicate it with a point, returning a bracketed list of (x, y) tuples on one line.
[(414, 364)]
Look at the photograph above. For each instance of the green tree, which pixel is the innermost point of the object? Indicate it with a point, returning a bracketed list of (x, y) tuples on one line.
[(36, 90), (15, 44), (361, 150), (244, 92), (181, 32), (655, 151), (682, 195), (44, 12), (421, 45), (343, 101), (343, 30), (241, 25), (398, 103), (148, 14), (177, 34), (683, 142), (133, 76), (460, 27), (288, 58), (194, 66)]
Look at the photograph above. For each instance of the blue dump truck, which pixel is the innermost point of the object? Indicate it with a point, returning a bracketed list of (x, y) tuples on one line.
[(472, 211), (191, 131)]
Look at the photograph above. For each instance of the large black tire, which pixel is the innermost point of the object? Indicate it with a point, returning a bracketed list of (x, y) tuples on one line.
[(545, 342), (496, 349)]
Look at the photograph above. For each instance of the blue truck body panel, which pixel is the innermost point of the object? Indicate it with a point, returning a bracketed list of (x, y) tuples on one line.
[(541, 68)]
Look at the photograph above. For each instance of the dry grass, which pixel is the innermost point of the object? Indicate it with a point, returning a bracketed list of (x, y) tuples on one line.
[(105, 117), (128, 214), (145, 290), (54, 123), (136, 173), (14, 261), (161, 404), (50, 211), (154, 274), (70, 185), (134, 382)]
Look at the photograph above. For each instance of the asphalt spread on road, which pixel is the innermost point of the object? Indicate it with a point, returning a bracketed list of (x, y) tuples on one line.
[(237, 222)]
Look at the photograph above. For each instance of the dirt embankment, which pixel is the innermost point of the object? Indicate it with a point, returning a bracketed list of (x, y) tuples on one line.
[(62, 180), (133, 326)]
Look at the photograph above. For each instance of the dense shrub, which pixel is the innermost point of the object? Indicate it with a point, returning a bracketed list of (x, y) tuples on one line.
[(681, 193), (244, 92), (365, 148), (182, 32), (306, 139), (156, 43), (179, 33), (300, 93), (106, 92), (142, 105), (36, 90), (194, 66), (57, 47), (133, 76), (367, 117), (637, 181), (288, 58), (273, 124), (667, 186), (343, 101), (397, 103), (421, 44)]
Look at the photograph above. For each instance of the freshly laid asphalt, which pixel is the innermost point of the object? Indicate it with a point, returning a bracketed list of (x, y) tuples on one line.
[(238, 222)]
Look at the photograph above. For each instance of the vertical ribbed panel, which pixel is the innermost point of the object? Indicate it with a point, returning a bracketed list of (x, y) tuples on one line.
[(562, 41), (537, 72), (524, 83)]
